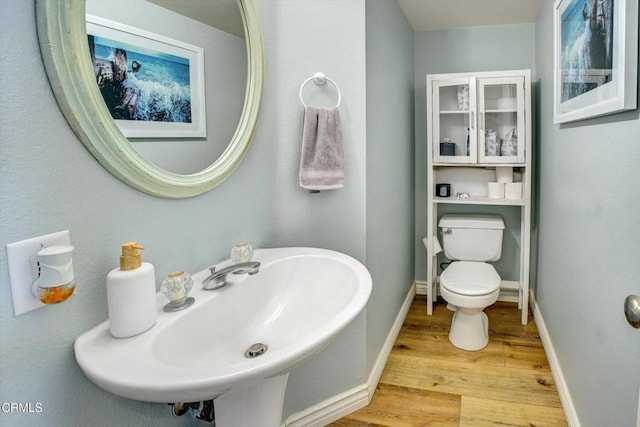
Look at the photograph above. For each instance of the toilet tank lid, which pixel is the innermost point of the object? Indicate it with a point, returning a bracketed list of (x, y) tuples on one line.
[(494, 222)]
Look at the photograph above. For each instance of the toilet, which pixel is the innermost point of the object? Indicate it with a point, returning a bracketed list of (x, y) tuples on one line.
[(469, 284)]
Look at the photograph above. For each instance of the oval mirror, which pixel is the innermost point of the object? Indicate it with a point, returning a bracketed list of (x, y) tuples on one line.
[(138, 161)]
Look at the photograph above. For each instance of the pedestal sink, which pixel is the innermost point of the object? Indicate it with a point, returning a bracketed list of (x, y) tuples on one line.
[(298, 302)]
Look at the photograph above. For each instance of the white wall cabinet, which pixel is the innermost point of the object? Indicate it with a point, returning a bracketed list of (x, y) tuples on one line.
[(471, 115), (478, 127)]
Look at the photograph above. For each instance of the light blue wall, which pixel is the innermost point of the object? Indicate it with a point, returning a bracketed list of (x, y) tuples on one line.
[(49, 182), (503, 47), (390, 170), (589, 240), (302, 38)]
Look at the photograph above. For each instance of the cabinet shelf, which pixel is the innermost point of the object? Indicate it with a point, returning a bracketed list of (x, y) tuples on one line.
[(488, 111), (478, 165), (474, 200), (498, 111)]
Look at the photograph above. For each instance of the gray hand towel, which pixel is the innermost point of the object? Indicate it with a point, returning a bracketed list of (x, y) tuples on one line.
[(321, 155)]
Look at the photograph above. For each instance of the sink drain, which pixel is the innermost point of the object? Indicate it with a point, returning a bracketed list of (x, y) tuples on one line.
[(255, 350)]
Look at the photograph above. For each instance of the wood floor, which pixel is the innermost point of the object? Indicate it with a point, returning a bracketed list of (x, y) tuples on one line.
[(429, 382)]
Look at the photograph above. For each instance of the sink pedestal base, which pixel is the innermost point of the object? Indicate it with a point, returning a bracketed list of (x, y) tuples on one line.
[(260, 405)]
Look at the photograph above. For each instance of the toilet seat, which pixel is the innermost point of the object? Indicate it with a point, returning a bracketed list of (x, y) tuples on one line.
[(470, 278)]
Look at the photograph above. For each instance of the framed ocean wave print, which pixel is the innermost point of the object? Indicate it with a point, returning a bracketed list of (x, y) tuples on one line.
[(152, 85), (595, 58)]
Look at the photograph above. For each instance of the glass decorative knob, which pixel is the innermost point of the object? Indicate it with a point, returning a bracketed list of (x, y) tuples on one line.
[(242, 252), (176, 287)]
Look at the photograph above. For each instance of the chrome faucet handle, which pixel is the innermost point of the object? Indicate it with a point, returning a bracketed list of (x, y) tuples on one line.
[(218, 278), (214, 281)]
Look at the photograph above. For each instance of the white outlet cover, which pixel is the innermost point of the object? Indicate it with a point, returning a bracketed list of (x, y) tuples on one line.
[(19, 255)]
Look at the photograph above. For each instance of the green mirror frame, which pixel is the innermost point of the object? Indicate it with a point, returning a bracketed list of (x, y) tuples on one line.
[(65, 51)]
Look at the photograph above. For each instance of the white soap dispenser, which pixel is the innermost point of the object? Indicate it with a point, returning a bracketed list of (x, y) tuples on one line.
[(131, 294)]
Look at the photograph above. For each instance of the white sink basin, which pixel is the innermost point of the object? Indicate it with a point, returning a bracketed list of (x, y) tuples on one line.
[(298, 302)]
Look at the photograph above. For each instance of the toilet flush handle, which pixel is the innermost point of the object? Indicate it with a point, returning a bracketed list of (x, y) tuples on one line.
[(447, 231)]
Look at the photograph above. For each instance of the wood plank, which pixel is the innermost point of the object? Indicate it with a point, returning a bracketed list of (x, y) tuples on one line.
[(525, 356), (477, 412), (349, 422), (417, 320), (469, 379), (504, 323), (407, 407), (436, 345)]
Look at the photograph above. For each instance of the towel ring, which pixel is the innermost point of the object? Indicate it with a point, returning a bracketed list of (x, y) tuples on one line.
[(320, 79)]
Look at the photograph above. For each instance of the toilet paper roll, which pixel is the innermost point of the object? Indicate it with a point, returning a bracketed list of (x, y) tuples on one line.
[(504, 173), (495, 190), (435, 244), (513, 190)]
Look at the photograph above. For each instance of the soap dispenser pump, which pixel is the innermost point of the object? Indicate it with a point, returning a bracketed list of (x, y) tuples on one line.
[(131, 294)]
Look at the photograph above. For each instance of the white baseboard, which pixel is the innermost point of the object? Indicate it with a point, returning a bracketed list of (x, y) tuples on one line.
[(331, 409), (421, 287), (383, 356), (558, 377), (358, 397)]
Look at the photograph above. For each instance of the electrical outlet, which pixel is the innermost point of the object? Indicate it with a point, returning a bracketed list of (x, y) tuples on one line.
[(23, 268)]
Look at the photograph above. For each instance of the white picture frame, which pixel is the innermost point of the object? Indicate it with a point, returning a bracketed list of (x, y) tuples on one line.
[(171, 106), (595, 58)]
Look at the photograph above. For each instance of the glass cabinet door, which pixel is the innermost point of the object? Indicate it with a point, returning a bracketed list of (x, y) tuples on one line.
[(501, 120), (454, 116)]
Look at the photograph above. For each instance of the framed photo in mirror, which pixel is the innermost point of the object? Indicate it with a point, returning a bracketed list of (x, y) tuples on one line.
[(152, 85)]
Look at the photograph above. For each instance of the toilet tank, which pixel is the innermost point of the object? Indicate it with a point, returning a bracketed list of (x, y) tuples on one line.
[(472, 237)]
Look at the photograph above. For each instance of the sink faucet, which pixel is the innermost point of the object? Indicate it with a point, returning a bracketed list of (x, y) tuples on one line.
[(218, 278)]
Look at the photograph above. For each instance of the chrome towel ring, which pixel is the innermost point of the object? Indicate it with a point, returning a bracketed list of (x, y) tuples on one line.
[(320, 79)]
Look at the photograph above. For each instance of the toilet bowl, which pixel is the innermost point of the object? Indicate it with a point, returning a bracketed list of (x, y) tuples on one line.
[(471, 287), (469, 283)]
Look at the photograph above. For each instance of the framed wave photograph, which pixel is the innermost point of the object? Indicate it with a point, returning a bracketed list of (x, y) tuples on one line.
[(595, 58), (153, 86)]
